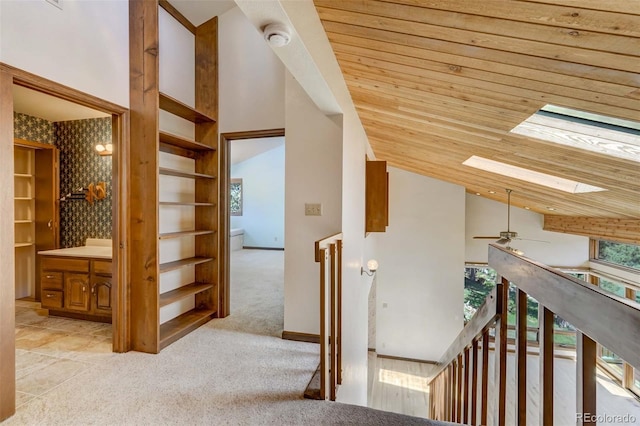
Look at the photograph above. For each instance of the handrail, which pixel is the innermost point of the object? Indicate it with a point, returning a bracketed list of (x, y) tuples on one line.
[(482, 320), (580, 303), (324, 243), (594, 313)]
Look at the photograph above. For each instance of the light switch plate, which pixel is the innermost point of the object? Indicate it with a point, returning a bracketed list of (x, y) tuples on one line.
[(313, 209)]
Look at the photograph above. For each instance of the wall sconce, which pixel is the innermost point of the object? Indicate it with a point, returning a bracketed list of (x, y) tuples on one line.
[(104, 149), (372, 265)]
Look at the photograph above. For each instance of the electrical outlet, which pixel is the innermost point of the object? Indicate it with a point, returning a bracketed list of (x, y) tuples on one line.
[(313, 209)]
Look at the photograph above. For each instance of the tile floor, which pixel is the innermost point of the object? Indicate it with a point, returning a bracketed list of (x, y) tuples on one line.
[(51, 350)]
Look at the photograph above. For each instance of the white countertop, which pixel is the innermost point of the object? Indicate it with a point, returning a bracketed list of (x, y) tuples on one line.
[(97, 251)]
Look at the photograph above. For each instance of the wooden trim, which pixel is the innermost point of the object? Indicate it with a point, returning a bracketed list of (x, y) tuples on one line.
[(177, 15), (474, 383), (585, 377), (41, 84), (611, 229), (400, 358), (301, 337), (143, 220), (485, 378), (262, 248), (7, 253), (339, 303), (323, 331), (120, 173), (333, 323), (459, 399), (224, 174), (501, 353), (465, 394), (521, 358), (324, 243), (575, 301), (546, 364)]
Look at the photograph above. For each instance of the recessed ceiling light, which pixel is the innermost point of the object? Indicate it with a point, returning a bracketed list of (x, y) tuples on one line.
[(490, 192), (550, 208), (477, 193), (527, 208), (584, 130), (531, 176)]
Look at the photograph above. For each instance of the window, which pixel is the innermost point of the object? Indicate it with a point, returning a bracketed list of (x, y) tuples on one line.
[(235, 199), (478, 283), (626, 255)]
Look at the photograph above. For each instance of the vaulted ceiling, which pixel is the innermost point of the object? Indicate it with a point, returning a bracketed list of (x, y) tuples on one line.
[(437, 81)]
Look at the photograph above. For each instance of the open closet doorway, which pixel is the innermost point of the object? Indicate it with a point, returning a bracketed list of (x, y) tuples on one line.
[(252, 222)]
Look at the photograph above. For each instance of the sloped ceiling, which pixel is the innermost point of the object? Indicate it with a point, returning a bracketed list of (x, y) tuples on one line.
[(437, 81)]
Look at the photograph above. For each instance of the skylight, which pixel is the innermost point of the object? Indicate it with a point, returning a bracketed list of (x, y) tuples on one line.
[(531, 176), (592, 132)]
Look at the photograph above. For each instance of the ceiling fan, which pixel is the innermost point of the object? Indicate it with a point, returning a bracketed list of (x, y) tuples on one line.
[(507, 236)]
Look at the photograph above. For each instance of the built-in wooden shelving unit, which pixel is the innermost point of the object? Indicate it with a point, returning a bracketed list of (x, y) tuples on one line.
[(166, 305)]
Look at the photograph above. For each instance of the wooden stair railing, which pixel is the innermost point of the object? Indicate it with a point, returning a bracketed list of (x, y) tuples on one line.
[(598, 316), (328, 252)]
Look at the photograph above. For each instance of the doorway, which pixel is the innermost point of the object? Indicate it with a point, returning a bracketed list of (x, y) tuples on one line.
[(12, 79), (233, 196)]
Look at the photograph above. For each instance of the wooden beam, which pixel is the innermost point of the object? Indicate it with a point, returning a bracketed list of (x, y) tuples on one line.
[(7, 253), (171, 10), (619, 230)]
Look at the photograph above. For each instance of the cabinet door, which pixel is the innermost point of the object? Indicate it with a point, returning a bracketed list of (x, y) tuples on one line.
[(76, 292), (101, 295)]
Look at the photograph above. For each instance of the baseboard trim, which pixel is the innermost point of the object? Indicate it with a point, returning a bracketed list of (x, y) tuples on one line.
[(262, 248), (301, 337), (399, 358)]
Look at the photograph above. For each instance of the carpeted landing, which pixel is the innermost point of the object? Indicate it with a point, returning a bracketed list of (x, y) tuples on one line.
[(232, 371)]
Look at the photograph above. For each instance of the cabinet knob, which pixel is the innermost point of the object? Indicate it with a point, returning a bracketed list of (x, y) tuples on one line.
[(49, 295), (84, 288), (50, 276), (50, 224)]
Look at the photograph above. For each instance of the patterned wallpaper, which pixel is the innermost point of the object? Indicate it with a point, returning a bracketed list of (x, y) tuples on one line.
[(33, 128), (80, 165)]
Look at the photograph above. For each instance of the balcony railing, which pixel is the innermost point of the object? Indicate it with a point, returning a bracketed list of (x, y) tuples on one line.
[(598, 316)]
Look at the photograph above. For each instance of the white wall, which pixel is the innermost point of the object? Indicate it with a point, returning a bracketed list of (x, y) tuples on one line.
[(313, 166), (84, 46), (251, 77), (487, 218), (263, 198), (421, 276)]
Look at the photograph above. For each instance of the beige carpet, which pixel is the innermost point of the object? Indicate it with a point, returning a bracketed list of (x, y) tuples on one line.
[(233, 371)]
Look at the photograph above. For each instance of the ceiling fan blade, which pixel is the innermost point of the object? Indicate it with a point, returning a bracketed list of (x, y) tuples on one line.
[(503, 241), (486, 238), (529, 239)]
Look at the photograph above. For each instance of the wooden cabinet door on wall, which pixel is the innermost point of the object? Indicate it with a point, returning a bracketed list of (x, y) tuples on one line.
[(76, 291), (377, 196), (101, 296)]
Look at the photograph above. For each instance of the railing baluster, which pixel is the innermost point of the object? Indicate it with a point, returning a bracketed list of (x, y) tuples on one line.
[(501, 354), (323, 331), (474, 384), (521, 358), (585, 377), (459, 397), (485, 377), (546, 365), (465, 391), (339, 302), (333, 377)]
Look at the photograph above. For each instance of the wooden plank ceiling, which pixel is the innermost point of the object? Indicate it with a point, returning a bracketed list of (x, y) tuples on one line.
[(437, 81)]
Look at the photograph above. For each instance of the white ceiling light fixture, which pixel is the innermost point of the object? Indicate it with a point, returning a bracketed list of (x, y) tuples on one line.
[(550, 181), (277, 35)]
